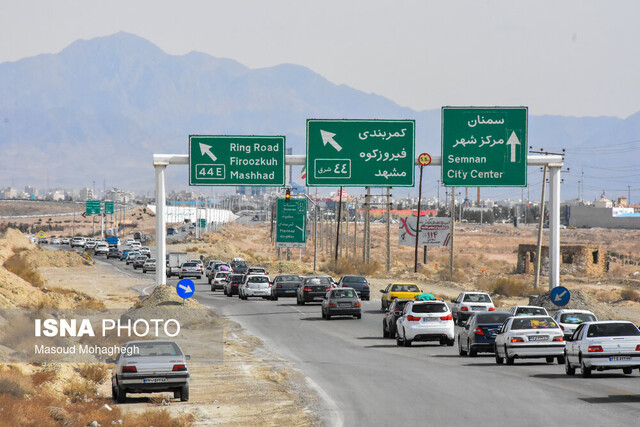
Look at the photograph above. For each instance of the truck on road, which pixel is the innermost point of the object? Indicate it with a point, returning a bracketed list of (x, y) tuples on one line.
[(174, 261)]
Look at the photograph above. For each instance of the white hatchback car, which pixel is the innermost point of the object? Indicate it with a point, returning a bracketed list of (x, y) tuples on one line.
[(529, 337), (255, 286), (528, 310), (569, 320), (613, 344), (425, 321), (469, 302)]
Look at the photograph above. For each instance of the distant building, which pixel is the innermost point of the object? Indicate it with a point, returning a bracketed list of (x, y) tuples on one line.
[(575, 259), (86, 194), (120, 196), (604, 217)]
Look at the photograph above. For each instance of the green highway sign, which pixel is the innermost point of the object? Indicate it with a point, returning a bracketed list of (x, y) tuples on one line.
[(202, 223), (92, 207), (484, 146), (108, 208), (291, 227), (360, 153), (236, 160)]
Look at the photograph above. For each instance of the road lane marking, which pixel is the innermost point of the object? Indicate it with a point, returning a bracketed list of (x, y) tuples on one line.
[(615, 390)]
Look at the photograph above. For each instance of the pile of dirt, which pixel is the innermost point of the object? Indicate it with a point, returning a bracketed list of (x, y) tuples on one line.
[(164, 296), (579, 301)]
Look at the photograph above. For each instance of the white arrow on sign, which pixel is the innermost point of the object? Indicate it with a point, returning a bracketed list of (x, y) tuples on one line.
[(513, 141), (187, 289), (327, 137), (558, 297), (206, 149)]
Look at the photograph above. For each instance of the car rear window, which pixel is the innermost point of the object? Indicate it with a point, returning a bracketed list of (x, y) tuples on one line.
[(343, 293), (400, 305), (429, 308), (530, 311), (222, 274), (492, 318), (575, 318), (258, 279), (235, 277), (477, 298), (405, 288), (289, 278), (613, 330), (317, 281), (354, 279), (541, 323), (155, 349), (189, 264)]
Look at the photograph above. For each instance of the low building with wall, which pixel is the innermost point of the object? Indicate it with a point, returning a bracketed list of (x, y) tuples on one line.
[(589, 217), (574, 259)]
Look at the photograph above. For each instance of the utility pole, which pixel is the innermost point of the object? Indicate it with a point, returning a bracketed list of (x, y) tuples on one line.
[(536, 280), (338, 227), (367, 225), (388, 228), (452, 226)]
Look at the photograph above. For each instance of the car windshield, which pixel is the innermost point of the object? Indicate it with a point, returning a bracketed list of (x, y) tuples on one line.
[(613, 330), (477, 298), (153, 349), (291, 278), (429, 308), (530, 311), (343, 293), (492, 318), (354, 279), (575, 318), (405, 288), (258, 279), (540, 323)]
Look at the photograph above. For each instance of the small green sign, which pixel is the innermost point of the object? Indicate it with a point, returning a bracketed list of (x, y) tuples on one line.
[(484, 146), (92, 207), (236, 160), (108, 208), (360, 153), (202, 223), (291, 228)]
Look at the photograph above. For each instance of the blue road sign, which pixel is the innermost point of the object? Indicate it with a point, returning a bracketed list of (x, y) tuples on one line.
[(185, 288), (560, 295)]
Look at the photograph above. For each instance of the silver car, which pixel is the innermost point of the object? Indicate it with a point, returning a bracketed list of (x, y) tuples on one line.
[(190, 269), (529, 337), (255, 286), (149, 265), (150, 367)]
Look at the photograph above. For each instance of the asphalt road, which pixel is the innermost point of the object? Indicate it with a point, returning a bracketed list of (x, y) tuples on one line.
[(367, 380)]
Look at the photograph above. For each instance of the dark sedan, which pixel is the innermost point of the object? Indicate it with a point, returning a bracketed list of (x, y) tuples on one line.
[(391, 316), (359, 283), (285, 285), (479, 333), (313, 289), (231, 285), (341, 302), (114, 253)]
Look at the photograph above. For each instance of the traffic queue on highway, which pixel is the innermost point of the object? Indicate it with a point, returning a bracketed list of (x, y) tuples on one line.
[(573, 338)]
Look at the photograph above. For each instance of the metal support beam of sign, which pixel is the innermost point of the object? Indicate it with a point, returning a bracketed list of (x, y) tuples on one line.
[(236, 160), (291, 223), (360, 153), (484, 146)]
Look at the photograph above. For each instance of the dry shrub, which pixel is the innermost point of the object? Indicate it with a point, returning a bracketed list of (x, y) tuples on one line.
[(94, 372), (351, 266), (607, 296), (19, 266), (510, 287), (444, 274), (629, 294), (160, 418), (79, 391), (14, 384), (192, 249), (80, 299), (42, 377)]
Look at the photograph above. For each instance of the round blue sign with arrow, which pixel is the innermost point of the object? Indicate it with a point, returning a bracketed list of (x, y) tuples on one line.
[(560, 295), (185, 288)]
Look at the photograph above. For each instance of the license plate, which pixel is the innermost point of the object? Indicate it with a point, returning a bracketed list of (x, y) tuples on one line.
[(317, 298), (538, 338), (429, 319), (155, 380), (619, 358), (344, 304)]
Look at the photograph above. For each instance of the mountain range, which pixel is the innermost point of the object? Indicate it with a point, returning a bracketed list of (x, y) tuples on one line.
[(99, 109)]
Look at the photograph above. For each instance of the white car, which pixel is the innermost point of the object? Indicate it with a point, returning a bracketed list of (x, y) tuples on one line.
[(613, 344), (528, 310), (78, 241), (152, 366), (135, 245), (129, 241), (64, 241), (255, 286), (425, 321), (569, 320), (55, 241), (101, 249), (219, 279), (90, 244), (529, 337), (469, 302)]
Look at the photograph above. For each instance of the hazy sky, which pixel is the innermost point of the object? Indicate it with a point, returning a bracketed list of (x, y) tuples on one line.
[(568, 57)]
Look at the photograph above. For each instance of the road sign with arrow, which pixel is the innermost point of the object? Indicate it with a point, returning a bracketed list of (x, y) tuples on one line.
[(185, 288), (560, 296), (236, 160), (484, 146), (360, 153)]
